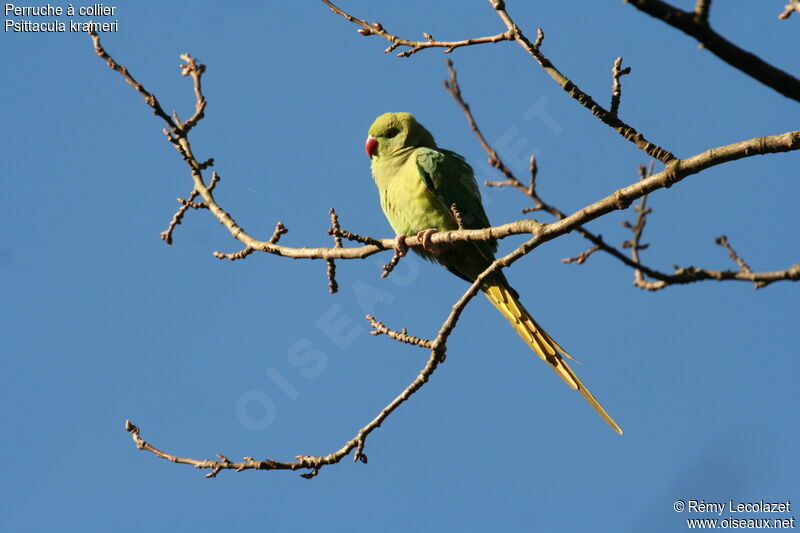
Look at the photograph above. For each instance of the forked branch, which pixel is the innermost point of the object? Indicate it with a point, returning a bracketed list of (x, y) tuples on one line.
[(376, 28), (608, 117), (681, 276)]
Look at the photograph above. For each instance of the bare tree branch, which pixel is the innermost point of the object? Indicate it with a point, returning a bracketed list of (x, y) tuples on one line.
[(376, 28), (393, 262), (280, 230), (635, 243), (616, 92), (378, 328), (311, 462), (722, 240), (177, 218), (581, 257), (686, 275), (166, 235), (333, 287), (681, 276), (697, 26), (607, 117)]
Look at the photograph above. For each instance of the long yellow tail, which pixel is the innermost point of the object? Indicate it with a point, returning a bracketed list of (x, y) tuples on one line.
[(545, 347)]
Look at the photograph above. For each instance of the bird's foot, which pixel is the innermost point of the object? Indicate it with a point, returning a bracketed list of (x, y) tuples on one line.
[(424, 237), (400, 246)]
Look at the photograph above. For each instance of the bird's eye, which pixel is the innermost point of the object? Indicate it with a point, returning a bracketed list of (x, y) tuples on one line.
[(392, 133)]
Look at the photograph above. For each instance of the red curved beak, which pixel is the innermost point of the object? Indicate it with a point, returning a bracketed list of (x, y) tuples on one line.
[(372, 146)]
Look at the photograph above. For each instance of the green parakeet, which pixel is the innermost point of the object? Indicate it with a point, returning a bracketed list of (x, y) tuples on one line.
[(418, 182)]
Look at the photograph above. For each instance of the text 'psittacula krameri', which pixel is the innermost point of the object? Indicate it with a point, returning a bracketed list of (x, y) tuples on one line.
[(418, 182)]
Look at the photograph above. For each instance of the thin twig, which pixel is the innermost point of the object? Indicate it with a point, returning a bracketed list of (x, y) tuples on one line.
[(457, 216), (452, 87), (608, 118), (333, 287), (686, 275), (402, 336), (241, 254), (279, 231), (363, 239), (307, 462), (393, 262), (376, 28), (581, 257), (215, 466), (638, 228), (177, 218), (149, 98), (195, 71), (616, 92), (722, 240)]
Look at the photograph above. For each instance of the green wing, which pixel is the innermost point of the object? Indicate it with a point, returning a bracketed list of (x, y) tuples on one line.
[(451, 179)]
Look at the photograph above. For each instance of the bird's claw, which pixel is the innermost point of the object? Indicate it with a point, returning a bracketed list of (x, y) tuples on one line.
[(424, 237), (400, 246)]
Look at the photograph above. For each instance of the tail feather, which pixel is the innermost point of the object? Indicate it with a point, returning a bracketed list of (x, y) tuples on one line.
[(503, 298)]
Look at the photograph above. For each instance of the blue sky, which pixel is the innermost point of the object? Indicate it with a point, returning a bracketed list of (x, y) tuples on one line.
[(102, 321)]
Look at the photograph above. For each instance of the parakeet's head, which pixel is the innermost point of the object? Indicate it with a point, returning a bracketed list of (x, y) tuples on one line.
[(392, 132)]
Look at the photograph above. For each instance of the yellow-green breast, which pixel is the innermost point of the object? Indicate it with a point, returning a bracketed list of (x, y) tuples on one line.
[(408, 204)]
